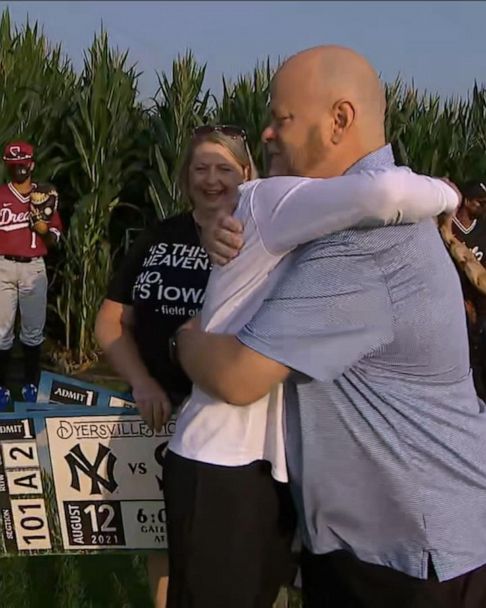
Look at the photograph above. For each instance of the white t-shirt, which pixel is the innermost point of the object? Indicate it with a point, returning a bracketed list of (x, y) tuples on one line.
[(278, 214)]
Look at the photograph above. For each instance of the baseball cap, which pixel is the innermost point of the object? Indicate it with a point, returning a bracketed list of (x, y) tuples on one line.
[(18, 153)]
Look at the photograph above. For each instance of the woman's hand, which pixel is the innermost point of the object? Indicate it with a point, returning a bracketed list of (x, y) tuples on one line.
[(152, 402)]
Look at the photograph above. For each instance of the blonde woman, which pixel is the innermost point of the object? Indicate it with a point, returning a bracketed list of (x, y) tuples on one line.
[(161, 284)]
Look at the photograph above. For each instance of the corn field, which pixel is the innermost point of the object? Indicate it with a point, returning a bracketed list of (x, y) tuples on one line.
[(115, 161)]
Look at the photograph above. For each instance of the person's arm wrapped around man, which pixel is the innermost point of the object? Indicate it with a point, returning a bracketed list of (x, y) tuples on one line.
[(291, 211)]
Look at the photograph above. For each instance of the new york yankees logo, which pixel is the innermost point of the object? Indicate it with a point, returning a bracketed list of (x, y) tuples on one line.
[(77, 461)]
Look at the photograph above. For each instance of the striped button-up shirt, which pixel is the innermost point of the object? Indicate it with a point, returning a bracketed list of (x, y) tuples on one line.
[(385, 436)]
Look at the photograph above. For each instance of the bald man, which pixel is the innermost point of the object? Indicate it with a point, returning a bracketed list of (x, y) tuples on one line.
[(385, 436)]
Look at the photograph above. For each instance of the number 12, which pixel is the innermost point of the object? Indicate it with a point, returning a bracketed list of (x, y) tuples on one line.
[(105, 524)]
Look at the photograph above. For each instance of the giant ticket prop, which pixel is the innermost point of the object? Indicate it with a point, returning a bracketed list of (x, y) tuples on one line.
[(71, 482), (80, 472)]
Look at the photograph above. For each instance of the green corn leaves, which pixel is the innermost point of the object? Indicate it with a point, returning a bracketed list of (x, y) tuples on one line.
[(116, 164), (180, 105), (435, 136), (246, 103), (101, 132)]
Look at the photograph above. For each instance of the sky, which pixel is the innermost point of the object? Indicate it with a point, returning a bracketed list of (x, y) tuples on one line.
[(439, 45)]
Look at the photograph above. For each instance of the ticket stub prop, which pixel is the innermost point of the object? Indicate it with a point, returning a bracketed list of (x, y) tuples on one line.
[(64, 390), (24, 408), (81, 481)]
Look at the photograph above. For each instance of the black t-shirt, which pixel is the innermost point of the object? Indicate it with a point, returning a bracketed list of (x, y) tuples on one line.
[(164, 278), (474, 238)]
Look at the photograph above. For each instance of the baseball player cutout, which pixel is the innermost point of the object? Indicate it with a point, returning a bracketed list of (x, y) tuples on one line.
[(29, 224)]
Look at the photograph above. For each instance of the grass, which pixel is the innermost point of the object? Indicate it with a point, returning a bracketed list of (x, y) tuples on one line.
[(81, 581), (88, 581)]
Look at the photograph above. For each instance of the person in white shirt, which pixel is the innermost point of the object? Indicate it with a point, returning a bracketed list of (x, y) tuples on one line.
[(228, 508)]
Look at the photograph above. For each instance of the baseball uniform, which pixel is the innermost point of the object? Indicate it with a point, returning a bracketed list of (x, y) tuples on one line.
[(23, 279)]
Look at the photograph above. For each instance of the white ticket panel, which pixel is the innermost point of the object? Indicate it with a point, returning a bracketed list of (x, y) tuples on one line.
[(81, 483)]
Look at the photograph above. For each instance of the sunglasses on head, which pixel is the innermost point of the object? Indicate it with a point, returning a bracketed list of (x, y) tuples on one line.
[(229, 130)]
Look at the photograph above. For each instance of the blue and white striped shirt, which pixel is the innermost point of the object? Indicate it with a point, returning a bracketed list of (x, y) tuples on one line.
[(385, 436)]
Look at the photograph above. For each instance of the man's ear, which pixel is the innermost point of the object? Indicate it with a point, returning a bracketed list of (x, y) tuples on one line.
[(343, 113)]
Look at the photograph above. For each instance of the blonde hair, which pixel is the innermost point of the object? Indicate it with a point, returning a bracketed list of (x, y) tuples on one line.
[(236, 146)]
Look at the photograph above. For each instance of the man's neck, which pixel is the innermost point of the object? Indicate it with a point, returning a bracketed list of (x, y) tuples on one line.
[(344, 162), (464, 217), (24, 188)]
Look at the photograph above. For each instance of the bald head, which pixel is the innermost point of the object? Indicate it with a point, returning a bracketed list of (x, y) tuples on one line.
[(336, 93), (330, 73)]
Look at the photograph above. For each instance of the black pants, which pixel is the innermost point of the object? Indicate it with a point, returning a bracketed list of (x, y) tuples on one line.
[(339, 580), (229, 531)]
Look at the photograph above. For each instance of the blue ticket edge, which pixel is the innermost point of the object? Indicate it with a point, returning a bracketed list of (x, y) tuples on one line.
[(67, 390), (24, 408)]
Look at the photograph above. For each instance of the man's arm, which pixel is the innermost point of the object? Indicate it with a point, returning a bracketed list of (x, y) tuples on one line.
[(327, 312), (232, 365)]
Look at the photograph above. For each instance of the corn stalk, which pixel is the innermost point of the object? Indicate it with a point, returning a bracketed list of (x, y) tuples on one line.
[(102, 129), (180, 105), (36, 86), (245, 103), (99, 148), (437, 137)]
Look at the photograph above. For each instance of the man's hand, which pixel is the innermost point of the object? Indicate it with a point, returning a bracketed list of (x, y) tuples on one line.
[(225, 368), (222, 239), (152, 402)]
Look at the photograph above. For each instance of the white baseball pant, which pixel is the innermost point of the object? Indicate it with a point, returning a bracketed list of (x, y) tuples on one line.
[(24, 286)]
